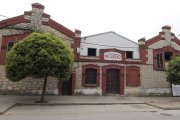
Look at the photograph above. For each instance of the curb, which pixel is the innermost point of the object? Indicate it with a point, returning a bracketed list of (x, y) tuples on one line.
[(59, 104), (163, 108)]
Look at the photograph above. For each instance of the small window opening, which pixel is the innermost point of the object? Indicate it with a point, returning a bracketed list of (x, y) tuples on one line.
[(129, 54), (91, 51), (168, 56)]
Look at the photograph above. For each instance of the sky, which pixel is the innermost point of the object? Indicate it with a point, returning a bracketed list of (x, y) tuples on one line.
[(132, 19)]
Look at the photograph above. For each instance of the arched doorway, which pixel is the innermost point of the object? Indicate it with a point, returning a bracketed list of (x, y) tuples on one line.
[(112, 81)]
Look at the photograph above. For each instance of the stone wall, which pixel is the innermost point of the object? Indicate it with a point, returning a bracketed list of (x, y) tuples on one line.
[(152, 83), (25, 86)]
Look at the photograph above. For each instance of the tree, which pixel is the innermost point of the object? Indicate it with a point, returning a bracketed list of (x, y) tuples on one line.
[(173, 71), (39, 55)]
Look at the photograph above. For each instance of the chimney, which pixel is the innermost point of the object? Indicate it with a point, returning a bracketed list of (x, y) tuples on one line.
[(37, 16), (166, 27), (77, 33), (167, 30), (77, 44), (142, 50), (37, 5), (142, 41)]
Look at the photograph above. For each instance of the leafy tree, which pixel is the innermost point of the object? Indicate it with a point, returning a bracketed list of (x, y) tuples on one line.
[(39, 55), (173, 71)]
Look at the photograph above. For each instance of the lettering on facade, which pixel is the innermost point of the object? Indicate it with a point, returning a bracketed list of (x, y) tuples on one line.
[(112, 56)]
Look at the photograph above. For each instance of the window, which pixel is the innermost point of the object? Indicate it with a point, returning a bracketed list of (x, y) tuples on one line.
[(91, 76), (162, 56), (10, 45), (129, 54), (91, 51), (160, 61), (168, 56)]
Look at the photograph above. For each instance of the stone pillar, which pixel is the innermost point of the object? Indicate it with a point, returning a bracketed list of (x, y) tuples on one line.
[(142, 50), (77, 44), (167, 30), (36, 16)]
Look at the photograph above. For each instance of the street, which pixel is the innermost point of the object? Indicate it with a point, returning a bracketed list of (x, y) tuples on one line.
[(90, 112)]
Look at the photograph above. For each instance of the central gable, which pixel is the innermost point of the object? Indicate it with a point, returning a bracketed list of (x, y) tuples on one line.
[(108, 40)]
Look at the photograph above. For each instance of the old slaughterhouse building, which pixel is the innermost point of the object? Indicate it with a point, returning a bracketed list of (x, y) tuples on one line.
[(104, 64)]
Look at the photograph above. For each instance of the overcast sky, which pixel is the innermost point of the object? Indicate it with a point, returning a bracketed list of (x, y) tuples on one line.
[(133, 19)]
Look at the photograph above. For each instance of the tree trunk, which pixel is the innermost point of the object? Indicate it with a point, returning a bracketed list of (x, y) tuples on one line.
[(43, 91)]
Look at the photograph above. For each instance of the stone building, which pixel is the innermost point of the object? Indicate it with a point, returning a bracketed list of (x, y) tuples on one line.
[(17, 28), (105, 63), (113, 64)]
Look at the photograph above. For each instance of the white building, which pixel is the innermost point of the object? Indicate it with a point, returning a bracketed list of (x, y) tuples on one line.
[(91, 45)]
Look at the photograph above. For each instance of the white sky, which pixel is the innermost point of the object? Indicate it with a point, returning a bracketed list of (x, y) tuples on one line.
[(133, 19)]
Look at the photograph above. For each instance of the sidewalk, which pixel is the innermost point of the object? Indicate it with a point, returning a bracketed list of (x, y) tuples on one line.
[(166, 103)]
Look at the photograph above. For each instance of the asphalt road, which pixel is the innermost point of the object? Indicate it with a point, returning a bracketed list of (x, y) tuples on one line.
[(90, 112)]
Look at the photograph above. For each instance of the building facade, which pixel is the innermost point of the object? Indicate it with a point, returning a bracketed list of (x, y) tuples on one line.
[(15, 29), (104, 64), (113, 64)]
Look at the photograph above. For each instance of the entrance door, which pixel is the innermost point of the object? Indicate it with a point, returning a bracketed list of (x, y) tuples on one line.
[(112, 81), (67, 87)]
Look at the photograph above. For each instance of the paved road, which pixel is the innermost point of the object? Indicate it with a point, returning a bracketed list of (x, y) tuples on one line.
[(90, 112)]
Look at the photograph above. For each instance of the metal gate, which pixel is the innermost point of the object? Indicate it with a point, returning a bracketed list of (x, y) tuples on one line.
[(112, 81)]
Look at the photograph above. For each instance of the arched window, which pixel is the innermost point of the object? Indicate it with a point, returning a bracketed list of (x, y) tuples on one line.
[(90, 75)]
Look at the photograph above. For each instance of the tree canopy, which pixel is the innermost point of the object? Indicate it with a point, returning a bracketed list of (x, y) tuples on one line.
[(173, 71), (39, 55)]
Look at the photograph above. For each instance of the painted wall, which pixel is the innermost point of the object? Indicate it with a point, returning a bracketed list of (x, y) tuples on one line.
[(106, 41)]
